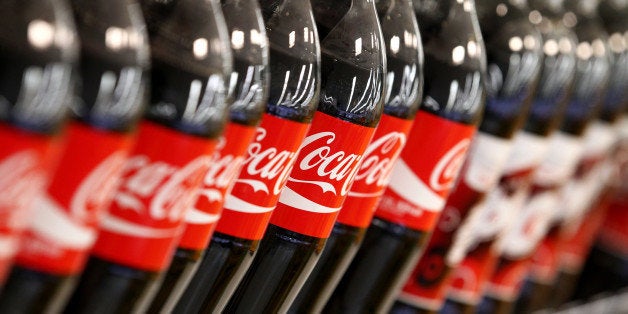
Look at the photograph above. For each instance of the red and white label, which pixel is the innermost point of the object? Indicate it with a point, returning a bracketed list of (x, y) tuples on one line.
[(25, 160), (374, 174), (560, 160), (487, 157), (530, 225), (159, 184), (506, 281), (576, 240), (427, 286), (426, 172), (65, 218), (328, 161), (469, 279), (613, 235), (224, 168), (592, 173), (540, 208), (270, 158), (493, 217), (544, 267)]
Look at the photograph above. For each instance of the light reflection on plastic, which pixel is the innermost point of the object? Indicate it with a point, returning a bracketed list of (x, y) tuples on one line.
[(515, 43), (535, 17), (394, 44), (40, 34), (584, 51), (472, 48), (237, 39), (617, 43), (457, 55), (358, 46), (529, 42), (501, 9), (291, 39), (550, 47), (200, 47), (564, 45)]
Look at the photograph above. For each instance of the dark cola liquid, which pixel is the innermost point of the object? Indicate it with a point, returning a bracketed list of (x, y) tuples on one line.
[(284, 253), (403, 308), (340, 248), (107, 287), (534, 297), (281, 254), (391, 247), (344, 240), (227, 258), (221, 268), (451, 307), (31, 290)]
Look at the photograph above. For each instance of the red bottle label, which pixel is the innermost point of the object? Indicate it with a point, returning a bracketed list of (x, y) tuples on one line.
[(533, 220), (329, 159), (425, 174), (576, 240), (25, 160), (544, 267), (469, 279), (613, 235), (374, 174), (270, 158), (427, 286), (159, 183), (65, 218), (224, 169), (476, 238), (506, 281)]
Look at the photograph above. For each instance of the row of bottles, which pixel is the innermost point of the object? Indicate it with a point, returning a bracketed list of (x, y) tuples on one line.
[(298, 156)]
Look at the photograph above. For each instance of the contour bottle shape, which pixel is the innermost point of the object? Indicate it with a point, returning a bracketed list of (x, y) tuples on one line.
[(352, 84), (513, 48), (248, 87), (422, 178), (294, 88), (191, 62), (404, 80), (38, 49)]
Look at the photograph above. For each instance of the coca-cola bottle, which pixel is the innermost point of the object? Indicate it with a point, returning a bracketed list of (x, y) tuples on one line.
[(591, 179), (425, 174), (38, 48), (529, 148), (111, 90), (353, 65), (604, 270), (579, 234), (401, 100), (294, 62), (249, 87), (514, 56), (176, 139), (542, 206)]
